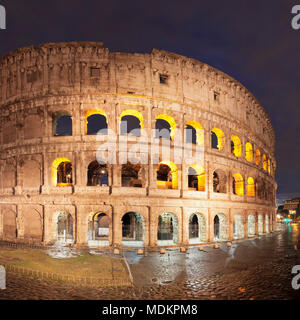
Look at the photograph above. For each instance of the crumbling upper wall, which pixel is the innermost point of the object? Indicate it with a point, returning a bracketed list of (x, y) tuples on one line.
[(87, 67)]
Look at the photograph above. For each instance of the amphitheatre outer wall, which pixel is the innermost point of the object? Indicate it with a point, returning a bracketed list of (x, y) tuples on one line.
[(83, 78)]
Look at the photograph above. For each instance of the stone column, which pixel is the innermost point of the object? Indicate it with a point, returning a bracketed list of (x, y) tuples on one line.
[(210, 226), (116, 227), (256, 223), (230, 225), (245, 217), (185, 227), (152, 228)]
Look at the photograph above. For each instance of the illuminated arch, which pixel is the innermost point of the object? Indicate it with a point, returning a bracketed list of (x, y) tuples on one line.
[(55, 166), (92, 112), (134, 113), (200, 176), (174, 176), (170, 121), (237, 146), (269, 166), (238, 184), (249, 151), (257, 157), (250, 187), (199, 131), (221, 138), (265, 163)]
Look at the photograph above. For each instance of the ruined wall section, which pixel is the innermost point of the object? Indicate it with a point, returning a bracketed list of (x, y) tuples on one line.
[(77, 68)]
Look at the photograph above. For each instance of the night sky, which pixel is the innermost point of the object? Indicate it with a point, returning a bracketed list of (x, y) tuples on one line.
[(252, 41)]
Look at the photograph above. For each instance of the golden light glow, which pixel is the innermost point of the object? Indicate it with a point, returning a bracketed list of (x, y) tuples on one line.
[(257, 157), (221, 138), (265, 164), (200, 175), (239, 184), (174, 175), (94, 215), (55, 165), (250, 187), (92, 112), (134, 113), (269, 166), (170, 121), (237, 145), (249, 151), (199, 131)]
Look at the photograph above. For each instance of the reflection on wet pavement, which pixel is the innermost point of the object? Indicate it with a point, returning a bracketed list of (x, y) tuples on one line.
[(189, 267)]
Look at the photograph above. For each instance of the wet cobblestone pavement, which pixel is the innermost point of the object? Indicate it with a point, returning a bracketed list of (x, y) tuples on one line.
[(251, 269)]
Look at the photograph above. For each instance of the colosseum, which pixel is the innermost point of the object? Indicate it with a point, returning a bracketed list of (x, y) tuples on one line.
[(59, 101)]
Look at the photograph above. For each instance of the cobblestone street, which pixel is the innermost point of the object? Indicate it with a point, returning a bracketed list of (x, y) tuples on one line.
[(250, 269)]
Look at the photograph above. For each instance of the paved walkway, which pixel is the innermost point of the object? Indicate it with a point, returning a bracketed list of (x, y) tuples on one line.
[(252, 269)]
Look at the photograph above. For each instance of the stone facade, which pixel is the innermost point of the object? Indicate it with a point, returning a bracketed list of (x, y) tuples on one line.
[(74, 78)]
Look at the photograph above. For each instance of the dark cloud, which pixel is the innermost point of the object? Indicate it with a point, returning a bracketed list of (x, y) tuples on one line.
[(251, 40)]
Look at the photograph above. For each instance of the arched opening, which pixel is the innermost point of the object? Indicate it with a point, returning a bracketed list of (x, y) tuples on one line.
[(265, 163), (96, 124), (250, 187), (197, 228), (236, 146), (165, 127), (133, 229), (167, 175), (217, 139), (62, 172), (194, 133), (219, 181), (238, 226), (62, 123), (257, 157), (220, 227), (269, 166), (97, 174), (132, 122), (193, 227), (249, 151), (98, 229), (267, 223), (130, 125), (130, 175), (238, 184), (167, 232), (251, 225), (260, 224), (196, 178), (64, 227)]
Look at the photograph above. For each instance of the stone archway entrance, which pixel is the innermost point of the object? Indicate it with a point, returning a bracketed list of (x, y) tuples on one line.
[(167, 232), (133, 229), (220, 227), (238, 226), (65, 228), (251, 225), (98, 229), (197, 228)]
